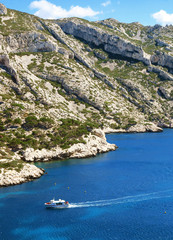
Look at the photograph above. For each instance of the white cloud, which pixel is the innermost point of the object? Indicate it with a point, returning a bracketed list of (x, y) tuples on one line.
[(163, 17), (104, 4), (49, 10)]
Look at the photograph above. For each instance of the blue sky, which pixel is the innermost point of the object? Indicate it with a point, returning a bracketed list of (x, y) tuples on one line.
[(147, 12)]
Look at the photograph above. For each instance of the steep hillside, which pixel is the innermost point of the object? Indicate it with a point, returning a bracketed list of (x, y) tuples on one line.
[(66, 82)]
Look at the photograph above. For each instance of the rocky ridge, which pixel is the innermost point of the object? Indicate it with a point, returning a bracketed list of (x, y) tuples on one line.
[(110, 43), (64, 82)]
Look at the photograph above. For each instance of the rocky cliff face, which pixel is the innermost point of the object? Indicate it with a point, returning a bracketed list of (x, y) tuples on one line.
[(163, 59), (3, 9), (110, 43), (62, 79)]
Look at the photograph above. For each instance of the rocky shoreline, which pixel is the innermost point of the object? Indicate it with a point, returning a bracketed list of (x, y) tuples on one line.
[(138, 128), (28, 173), (95, 143)]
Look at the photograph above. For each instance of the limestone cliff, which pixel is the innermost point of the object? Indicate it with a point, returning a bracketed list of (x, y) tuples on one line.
[(64, 82)]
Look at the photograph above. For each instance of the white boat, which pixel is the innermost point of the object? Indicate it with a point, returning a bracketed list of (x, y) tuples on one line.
[(57, 204)]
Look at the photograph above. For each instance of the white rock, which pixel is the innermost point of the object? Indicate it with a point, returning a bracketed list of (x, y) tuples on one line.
[(95, 143), (12, 177), (29, 96), (150, 127)]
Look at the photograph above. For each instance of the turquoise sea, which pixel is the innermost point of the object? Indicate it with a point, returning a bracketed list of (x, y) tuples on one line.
[(126, 194)]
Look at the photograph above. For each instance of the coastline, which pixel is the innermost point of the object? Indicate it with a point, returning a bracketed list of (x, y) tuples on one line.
[(138, 128), (95, 143), (28, 173)]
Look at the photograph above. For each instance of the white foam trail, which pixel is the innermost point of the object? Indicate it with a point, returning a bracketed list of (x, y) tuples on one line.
[(123, 200)]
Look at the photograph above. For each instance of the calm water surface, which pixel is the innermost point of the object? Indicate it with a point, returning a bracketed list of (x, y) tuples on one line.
[(119, 195)]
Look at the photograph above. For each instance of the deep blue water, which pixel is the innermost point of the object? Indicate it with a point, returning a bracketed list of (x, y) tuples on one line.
[(119, 195)]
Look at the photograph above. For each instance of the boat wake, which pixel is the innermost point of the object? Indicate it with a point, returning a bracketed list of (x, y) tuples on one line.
[(124, 200)]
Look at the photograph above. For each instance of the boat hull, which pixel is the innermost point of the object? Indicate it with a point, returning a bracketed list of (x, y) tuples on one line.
[(57, 207)]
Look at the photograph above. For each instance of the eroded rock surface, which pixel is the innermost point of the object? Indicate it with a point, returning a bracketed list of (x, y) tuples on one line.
[(111, 44), (3, 9), (95, 143), (13, 177)]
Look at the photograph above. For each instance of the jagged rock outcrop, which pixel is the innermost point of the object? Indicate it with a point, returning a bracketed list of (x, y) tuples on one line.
[(58, 35), (163, 59), (162, 74), (3, 9), (133, 90), (163, 93), (30, 42), (161, 43), (95, 143), (70, 90), (110, 43), (100, 55), (145, 128), (155, 27), (138, 128), (5, 64)]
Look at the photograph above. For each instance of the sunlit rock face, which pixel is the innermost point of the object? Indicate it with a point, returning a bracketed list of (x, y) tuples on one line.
[(65, 83), (3, 9)]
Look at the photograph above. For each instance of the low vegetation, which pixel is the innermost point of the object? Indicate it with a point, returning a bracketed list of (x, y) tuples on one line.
[(62, 94), (16, 165)]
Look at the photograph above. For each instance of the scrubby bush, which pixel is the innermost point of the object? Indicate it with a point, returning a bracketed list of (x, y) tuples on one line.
[(30, 122), (33, 122), (16, 164), (14, 143), (17, 121), (45, 123), (20, 106), (70, 132), (2, 127), (7, 112)]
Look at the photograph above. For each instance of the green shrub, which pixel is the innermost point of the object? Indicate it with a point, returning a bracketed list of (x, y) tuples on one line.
[(2, 127), (33, 122), (30, 122), (7, 112), (20, 106), (8, 120), (14, 143), (7, 75), (16, 164), (45, 123), (17, 121), (2, 153)]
